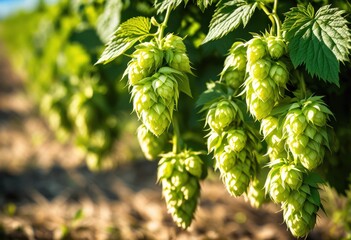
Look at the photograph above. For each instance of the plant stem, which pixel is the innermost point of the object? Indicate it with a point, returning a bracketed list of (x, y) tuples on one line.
[(176, 135), (273, 16), (164, 23)]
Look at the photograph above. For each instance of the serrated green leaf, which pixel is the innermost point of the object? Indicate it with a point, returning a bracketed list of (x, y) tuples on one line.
[(318, 39), (228, 16), (163, 5), (109, 19), (127, 34), (203, 4)]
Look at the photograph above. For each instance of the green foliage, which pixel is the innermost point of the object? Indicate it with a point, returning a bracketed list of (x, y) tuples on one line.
[(127, 34), (109, 19), (318, 39), (228, 16), (163, 5), (268, 131)]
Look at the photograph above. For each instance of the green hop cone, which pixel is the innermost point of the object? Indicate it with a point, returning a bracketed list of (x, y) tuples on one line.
[(166, 86), (297, 143), (136, 73), (276, 46), (260, 68), (264, 89), (157, 119), (279, 73), (316, 111), (221, 115), (193, 164), (144, 98), (255, 193), (295, 122), (312, 157), (151, 145), (256, 49), (237, 57), (174, 43), (257, 107), (225, 160), (300, 209), (268, 126), (237, 179), (180, 188), (148, 56), (276, 145), (275, 186), (236, 140), (180, 61), (236, 171), (234, 78), (291, 175), (214, 141)]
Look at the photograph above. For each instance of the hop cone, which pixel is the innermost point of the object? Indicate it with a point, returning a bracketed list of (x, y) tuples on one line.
[(237, 178), (275, 186), (151, 145), (221, 115), (175, 53), (256, 49), (257, 107), (179, 175), (272, 133), (305, 128), (276, 46), (300, 209), (255, 193), (279, 73), (234, 78), (148, 56), (154, 100)]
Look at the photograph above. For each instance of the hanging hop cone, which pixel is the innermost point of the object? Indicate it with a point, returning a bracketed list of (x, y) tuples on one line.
[(300, 209), (179, 175), (154, 100), (233, 73), (276, 46), (256, 49), (305, 128), (255, 194), (234, 158), (151, 145), (275, 186), (146, 60), (175, 53), (221, 114)]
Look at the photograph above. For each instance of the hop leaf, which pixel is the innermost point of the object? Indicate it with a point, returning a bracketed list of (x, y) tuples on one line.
[(318, 40), (228, 16), (127, 34)]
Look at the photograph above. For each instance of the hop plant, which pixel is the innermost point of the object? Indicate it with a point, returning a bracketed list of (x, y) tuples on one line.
[(301, 207), (276, 47), (154, 100), (175, 53), (255, 194), (256, 49), (275, 186), (179, 175), (221, 115), (233, 73), (234, 158), (305, 128), (151, 145)]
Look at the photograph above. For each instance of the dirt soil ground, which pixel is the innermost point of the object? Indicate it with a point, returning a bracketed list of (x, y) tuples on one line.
[(46, 191)]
